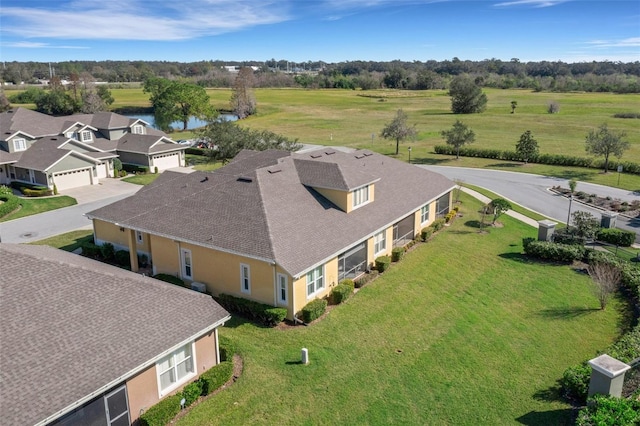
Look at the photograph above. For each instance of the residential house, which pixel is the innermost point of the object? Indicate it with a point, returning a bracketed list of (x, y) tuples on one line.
[(276, 227), (83, 342), (78, 150)]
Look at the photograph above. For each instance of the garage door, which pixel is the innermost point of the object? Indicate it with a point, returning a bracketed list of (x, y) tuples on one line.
[(73, 179), (166, 161), (102, 170)]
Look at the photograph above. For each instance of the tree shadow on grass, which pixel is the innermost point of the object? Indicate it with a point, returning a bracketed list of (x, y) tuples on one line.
[(504, 165), (553, 417), (566, 313), (572, 174), (430, 161), (516, 257), (476, 224)]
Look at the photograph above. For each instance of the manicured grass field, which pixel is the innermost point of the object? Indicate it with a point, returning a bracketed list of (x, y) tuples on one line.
[(464, 330), (40, 205), (69, 241), (145, 179)]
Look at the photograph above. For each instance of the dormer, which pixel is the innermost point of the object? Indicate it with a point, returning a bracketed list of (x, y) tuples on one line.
[(138, 129), (80, 132), (346, 187), (17, 142)]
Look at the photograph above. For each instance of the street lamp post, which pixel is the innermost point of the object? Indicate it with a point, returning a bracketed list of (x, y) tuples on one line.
[(569, 214), (409, 155)]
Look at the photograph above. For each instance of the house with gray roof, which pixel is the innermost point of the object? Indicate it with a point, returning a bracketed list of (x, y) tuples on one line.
[(78, 150), (83, 342), (276, 227)]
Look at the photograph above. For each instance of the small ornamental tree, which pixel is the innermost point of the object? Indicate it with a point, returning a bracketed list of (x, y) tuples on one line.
[(527, 147), (499, 206), (514, 104), (604, 142), (584, 225), (458, 136), (399, 130), (606, 278)]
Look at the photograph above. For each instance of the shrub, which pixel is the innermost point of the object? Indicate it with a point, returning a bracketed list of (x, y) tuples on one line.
[(227, 348), (341, 292), (397, 253), (609, 410), (171, 279), (256, 311), (162, 413), (191, 392), (575, 382), (382, 263), (437, 224), (155, 170), (90, 249), (616, 236), (568, 236), (449, 217), (135, 168), (313, 310), (108, 251), (121, 257), (426, 233), (216, 376), (364, 279), (55, 189), (9, 204), (556, 252)]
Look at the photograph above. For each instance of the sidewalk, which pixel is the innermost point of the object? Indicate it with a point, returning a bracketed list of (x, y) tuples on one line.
[(516, 215)]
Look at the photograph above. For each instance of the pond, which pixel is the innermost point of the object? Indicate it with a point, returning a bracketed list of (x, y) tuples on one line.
[(193, 122)]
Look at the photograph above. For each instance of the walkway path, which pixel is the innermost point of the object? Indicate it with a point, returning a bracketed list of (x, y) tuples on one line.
[(516, 215)]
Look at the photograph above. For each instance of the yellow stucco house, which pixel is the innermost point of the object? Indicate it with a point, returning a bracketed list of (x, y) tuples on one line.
[(276, 227)]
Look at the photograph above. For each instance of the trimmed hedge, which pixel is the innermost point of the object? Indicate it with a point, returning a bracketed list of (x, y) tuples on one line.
[(438, 224), (341, 292), (264, 314), (163, 412), (556, 252), (192, 392), (397, 253), (122, 258), (9, 203), (426, 233), (382, 263), (31, 190), (171, 279), (135, 168), (364, 279), (313, 310), (215, 377), (609, 410), (227, 348), (551, 159), (90, 249), (616, 236)]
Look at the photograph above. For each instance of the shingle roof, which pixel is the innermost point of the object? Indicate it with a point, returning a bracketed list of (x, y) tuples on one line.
[(322, 174), (258, 206), (44, 153), (71, 325), (26, 120), (147, 144)]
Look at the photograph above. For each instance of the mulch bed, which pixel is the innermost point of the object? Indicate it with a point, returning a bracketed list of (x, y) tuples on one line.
[(625, 208)]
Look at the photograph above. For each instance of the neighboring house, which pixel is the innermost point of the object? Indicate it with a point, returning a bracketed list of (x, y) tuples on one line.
[(78, 150), (86, 343), (276, 227)]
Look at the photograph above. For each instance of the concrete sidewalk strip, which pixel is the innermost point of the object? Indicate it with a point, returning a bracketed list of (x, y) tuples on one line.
[(515, 215)]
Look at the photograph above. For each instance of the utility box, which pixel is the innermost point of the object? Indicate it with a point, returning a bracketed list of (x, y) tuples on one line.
[(200, 287), (607, 376), (608, 219), (546, 228)]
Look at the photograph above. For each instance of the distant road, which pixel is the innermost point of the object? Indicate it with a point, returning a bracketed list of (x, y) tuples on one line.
[(532, 192)]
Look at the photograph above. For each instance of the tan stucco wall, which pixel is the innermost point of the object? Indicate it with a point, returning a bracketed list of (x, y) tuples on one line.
[(206, 353), (300, 285), (108, 232), (339, 198)]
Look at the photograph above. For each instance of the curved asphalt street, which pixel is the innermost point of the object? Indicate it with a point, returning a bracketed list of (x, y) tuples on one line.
[(532, 192)]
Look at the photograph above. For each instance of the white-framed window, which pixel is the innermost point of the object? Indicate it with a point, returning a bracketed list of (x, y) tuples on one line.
[(245, 278), (138, 129), (424, 214), (282, 289), (19, 144), (86, 136), (72, 135), (139, 237), (315, 280), (360, 196), (187, 264), (176, 368), (380, 242)]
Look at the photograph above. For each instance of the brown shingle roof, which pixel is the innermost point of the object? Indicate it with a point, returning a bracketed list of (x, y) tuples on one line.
[(71, 325), (44, 153), (147, 144), (257, 206), (26, 120)]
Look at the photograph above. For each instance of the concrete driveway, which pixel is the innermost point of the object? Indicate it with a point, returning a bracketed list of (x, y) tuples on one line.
[(107, 188)]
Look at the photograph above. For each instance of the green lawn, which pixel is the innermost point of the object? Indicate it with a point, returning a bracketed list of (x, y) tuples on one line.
[(32, 206), (69, 241), (463, 331), (144, 179)]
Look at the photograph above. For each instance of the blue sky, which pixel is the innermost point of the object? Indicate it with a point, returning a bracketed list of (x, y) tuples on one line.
[(325, 30)]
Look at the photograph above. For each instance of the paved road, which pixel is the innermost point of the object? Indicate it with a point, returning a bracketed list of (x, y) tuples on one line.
[(532, 192)]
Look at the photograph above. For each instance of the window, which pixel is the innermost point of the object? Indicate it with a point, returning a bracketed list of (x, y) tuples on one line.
[(442, 205), (245, 278), (139, 237), (72, 135), (360, 196), (315, 281), (424, 214), (137, 129), (86, 136), (380, 242), (19, 144), (282, 289), (175, 369), (187, 270)]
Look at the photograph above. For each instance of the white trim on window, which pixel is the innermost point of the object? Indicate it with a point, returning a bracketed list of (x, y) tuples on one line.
[(360, 197), (380, 242), (424, 214), (176, 369), (86, 135), (283, 289), (20, 144), (137, 129), (186, 262), (315, 281), (245, 278)]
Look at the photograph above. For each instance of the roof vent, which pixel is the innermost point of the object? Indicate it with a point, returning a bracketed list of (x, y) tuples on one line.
[(206, 178), (368, 154), (245, 179), (273, 171), (316, 155), (330, 152), (359, 156)]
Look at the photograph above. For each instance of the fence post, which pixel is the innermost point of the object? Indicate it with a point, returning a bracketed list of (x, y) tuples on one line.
[(607, 376)]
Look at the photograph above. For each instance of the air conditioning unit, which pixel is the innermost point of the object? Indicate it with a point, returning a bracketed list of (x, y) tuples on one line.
[(198, 287)]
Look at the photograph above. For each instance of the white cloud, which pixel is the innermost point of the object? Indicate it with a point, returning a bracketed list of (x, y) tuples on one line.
[(140, 19), (36, 45), (534, 3), (627, 42)]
